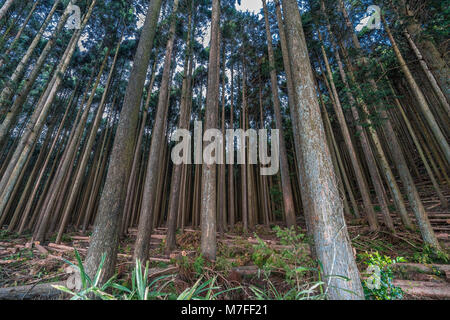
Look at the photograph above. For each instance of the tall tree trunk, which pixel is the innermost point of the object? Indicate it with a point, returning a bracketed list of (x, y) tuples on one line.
[(142, 245), (332, 243), (132, 184), (105, 236), (243, 167), (208, 183), (360, 179), (231, 197), (183, 123), (288, 199), (5, 8)]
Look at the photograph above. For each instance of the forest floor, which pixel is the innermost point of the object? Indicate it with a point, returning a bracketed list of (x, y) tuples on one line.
[(267, 259)]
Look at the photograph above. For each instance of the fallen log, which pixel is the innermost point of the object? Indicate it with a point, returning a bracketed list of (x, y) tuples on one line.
[(156, 272), (437, 290), (246, 270), (43, 291), (427, 268), (12, 261), (81, 238), (61, 247), (128, 256), (40, 248)]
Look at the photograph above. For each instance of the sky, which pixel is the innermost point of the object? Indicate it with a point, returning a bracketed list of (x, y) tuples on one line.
[(250, 5)]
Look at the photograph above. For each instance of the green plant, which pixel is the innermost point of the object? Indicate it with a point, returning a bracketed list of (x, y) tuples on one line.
[(430, 255), (293, 261), (199, 264), (203, 291), (379, 283), (307, 291), (141, 288), (223, 264), (89, 287)]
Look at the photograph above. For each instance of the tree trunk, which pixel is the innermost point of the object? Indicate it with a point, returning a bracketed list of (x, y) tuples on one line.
[(183, 123), (332, 243), (288, 201), (5, 8), (141, 249), (208, 184), (105, 236)]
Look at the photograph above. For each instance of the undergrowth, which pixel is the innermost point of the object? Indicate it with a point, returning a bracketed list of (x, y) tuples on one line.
[(379, 276)]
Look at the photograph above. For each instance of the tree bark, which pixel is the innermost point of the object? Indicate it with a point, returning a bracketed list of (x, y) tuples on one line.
[(208, 184), (105, 236), (142, 245), (285, 178), (332, 243)]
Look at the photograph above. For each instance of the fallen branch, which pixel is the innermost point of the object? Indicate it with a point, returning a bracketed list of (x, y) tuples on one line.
[(61, 247), (39, 291), (12, 261)]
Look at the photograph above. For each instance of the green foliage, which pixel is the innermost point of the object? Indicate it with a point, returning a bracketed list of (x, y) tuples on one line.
[(386, 290), (203, 291), (306, 292), (293, 262), (430, 255), (199, 264), (90, 287), (224, 264), (289, 259), (141, 288)]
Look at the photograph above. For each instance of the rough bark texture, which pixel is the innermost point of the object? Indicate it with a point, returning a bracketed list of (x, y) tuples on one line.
[(142, 245), (288, 199), (105, 236), (183, 123), (208, 184), (332, 244)]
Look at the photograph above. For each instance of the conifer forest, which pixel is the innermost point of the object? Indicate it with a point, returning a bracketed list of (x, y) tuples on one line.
[(224, 150)]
